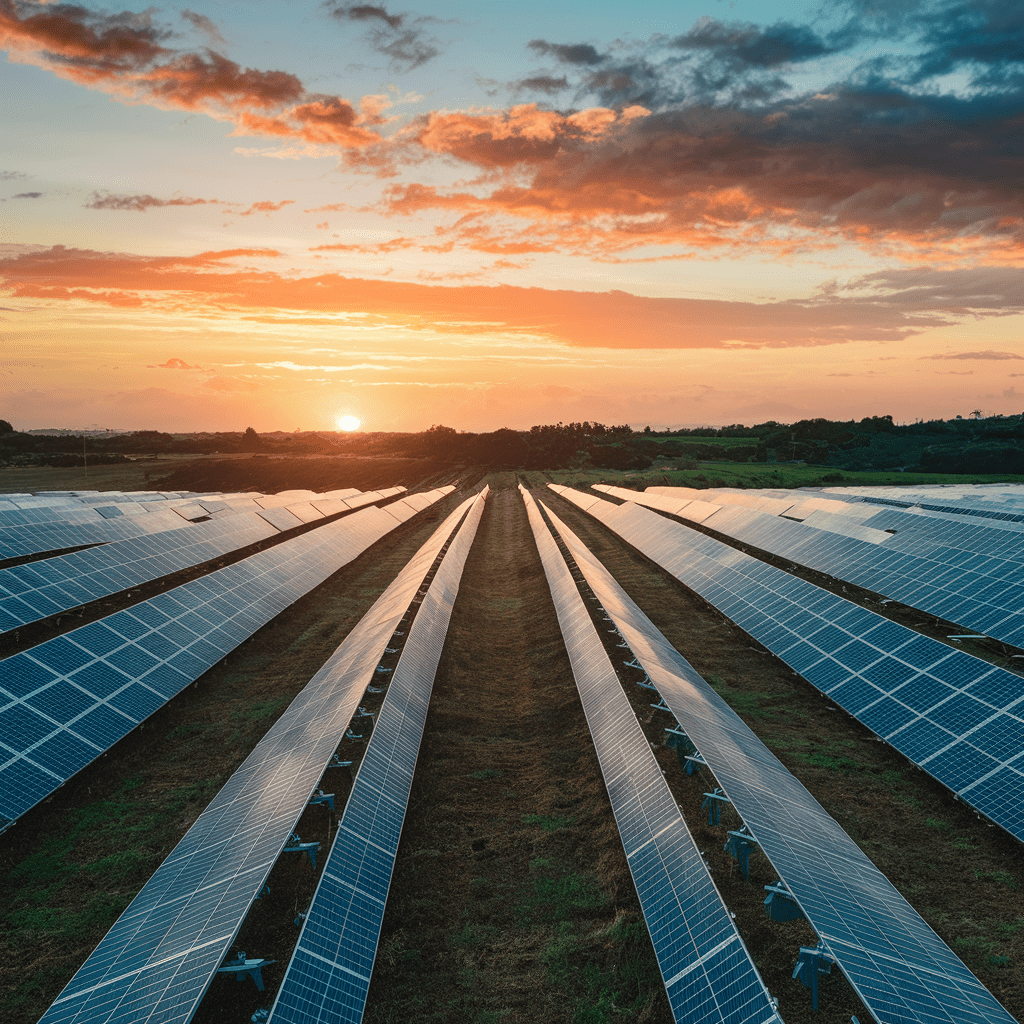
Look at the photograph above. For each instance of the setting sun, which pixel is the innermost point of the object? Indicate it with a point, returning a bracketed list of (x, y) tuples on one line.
[(348, 423)]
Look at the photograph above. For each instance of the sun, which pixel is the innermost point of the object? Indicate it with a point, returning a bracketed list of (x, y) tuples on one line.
[(348, 423)]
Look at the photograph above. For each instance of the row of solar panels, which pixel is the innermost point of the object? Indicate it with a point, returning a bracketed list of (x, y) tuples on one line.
[(63, 702), (35, 590), (959, 718), (708, 973), (160, 956), (988, 598), (51, 529), (328, 977), (900, 968)]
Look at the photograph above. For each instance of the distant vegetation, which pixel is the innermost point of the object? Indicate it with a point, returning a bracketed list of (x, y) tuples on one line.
[(992, 446)]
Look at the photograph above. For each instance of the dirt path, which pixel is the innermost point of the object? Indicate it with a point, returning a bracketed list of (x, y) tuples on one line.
[(511, 898)]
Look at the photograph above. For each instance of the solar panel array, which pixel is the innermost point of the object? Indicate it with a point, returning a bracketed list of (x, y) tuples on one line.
[(63, 702), (1001, 502), (708, 973), (959, 718), (157, 960), (328, 977), (77, 521), (33, 591), (990, 601), (898, 966)]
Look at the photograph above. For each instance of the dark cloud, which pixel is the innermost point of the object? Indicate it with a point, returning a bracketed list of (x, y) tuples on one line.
[(404, 41), (745, 44), (580, 54), (204, 25), (542, 83), (11, 175), (27, 195), (987, 354), (139, 204)]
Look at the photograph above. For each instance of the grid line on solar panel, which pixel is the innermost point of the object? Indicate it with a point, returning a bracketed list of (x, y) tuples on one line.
[(851, 905), (162, 952), (92, 656), (690, 926), (909, 657), (342, 925)]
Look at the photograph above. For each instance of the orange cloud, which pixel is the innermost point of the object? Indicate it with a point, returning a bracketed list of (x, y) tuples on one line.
[(204, 284)]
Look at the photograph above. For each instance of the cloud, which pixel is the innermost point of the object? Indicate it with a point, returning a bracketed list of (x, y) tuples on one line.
[(124, 55), (988, 354), (204, 25), (11, 175), (405, 43), (173, 364), (266, 207), (744, 44), (212, 283), (568, 53), (140, 203), (27, 195), (542, 83)]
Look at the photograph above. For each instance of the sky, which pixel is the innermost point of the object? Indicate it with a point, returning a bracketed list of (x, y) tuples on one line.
[(502, 213)]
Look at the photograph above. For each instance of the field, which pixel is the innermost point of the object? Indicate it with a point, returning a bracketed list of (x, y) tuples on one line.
[(511, 900)]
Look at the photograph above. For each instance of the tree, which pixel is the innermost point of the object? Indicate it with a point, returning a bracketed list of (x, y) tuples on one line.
[(251, 441), (5, 427)]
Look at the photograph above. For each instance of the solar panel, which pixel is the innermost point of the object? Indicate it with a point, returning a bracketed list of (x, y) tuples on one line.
[(708, 973), (990, 601), (33, 591), (133, 661), (328, 976), (897, 682), (893, 960), (157, 960)]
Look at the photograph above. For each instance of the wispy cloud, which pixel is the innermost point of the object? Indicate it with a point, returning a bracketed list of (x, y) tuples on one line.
[(987, 354), (404, 40)]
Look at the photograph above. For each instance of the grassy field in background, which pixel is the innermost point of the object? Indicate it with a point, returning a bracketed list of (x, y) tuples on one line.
[(764, 475)]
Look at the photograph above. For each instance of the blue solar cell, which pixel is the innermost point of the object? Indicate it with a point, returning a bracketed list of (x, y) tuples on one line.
[(167, 680), (921, 739), (20, 675), (150, 614), (21, 785), (21, 727), (103, 726), (157, 645), (1003, 738), (98, 638), (99, 678), (64, 753), (61, 655), (826, 673), (61, 702), (127, 625), (960, 713), (856, 655), (961, 765), (888, 674), (855, 695), (922, 693), (137, 701), (132, 660), (922, 652), (996, 688)]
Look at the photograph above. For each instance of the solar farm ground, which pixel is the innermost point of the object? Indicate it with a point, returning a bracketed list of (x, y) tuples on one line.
[(511, 900)]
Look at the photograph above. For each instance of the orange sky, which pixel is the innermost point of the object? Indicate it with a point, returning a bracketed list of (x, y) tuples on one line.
[(443, 213)]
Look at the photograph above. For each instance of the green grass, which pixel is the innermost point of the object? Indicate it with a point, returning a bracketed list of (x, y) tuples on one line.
[(261, 710), (765, 475), (487, 773)]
